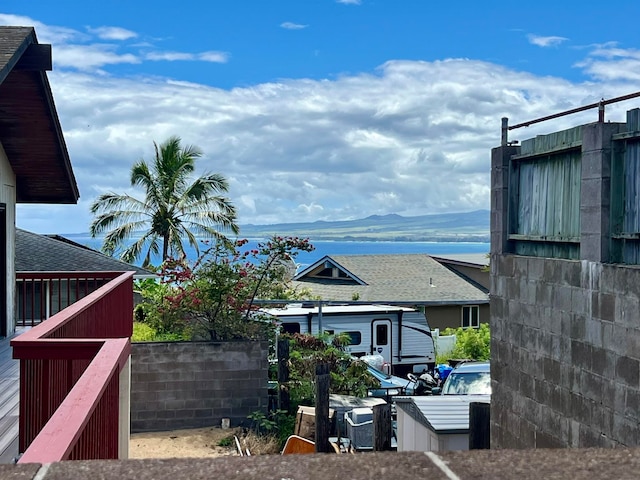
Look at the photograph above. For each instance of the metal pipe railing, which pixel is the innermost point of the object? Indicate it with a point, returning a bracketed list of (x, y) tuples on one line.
[(600, 105)]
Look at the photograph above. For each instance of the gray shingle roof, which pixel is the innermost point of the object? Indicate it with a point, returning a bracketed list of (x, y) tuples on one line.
[(411, 278), (40, 253), (13, 42)]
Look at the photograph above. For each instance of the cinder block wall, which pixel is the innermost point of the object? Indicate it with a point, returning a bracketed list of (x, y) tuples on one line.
[(196, 384), (565, 347), (565, 354)]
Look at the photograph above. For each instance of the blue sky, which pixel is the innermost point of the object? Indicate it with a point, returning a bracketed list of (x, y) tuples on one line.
[(321, 109)]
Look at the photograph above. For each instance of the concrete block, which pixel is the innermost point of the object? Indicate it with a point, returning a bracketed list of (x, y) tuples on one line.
[(593, 332), (580, 301), (632, 404), (551, 370), (591, 386), (562, 298), (577, 327), (600, 362), (628, 371), (632, 344), (553, 272), (580, 354), (626, 430), (627, 308), (604, 306), (203, 413), (571, 272)]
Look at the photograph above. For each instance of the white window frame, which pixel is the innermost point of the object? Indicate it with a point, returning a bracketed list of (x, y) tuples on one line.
[(471, 309)]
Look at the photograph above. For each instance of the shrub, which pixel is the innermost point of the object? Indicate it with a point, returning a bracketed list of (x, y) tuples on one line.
[(348, 375), (471, 343), (143, 332)]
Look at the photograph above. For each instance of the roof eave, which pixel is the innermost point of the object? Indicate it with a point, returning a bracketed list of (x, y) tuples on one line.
[(28, 149)]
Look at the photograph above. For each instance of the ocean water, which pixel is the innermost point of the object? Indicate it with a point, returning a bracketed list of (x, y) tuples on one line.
[(323, 248)]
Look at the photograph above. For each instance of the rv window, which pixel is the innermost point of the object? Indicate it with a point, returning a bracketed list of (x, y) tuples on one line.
[(355, 338), (329, 332), (291, 328), (381, 334)]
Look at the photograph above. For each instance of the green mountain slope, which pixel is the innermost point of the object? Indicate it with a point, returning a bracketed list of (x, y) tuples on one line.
[(468, 226)]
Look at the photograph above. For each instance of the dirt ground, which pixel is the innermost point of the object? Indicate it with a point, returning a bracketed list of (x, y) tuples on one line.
[(200, 443)]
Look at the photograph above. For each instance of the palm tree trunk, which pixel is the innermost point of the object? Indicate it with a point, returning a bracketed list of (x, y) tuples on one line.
[(165, 247)]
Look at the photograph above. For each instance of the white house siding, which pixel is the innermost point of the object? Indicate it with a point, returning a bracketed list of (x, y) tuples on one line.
[(415, 437), (8, 197)]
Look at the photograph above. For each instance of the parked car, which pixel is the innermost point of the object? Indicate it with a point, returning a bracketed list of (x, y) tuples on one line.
[(390, 385), (469, 378)]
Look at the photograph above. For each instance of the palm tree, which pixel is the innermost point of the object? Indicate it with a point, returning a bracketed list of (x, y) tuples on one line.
[(173, 209)]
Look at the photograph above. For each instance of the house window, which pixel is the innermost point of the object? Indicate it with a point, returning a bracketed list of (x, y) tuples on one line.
[(331, 272), (293, 327), (471, 316)]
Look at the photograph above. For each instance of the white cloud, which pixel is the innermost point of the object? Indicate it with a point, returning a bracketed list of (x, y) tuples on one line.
[(169, 56), (349, 2), (213, 56), (45, 33), (551, 41), (293, 26), (608, 62), (112, 33), (90, 57), (412, 138)]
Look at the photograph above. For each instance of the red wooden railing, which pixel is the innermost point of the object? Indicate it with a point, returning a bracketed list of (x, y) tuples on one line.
[(69, 377), (40, 295)]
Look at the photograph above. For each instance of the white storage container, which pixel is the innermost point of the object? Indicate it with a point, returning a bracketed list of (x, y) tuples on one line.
[(359, 422)]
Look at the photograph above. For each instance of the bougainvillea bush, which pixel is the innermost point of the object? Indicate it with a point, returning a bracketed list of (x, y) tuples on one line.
[(214, 298)]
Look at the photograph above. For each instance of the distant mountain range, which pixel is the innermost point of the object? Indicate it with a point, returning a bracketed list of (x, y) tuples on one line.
[(445, 227)]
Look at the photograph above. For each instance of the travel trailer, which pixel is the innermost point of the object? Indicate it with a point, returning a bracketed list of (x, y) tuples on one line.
[(400, 335)]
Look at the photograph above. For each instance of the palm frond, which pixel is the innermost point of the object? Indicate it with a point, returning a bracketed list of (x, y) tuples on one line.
[(149, 241), (117, 237)]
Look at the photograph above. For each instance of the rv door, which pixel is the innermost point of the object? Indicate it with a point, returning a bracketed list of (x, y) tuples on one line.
[(381, 338)]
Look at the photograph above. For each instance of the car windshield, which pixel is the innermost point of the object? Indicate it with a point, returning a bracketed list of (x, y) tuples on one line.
[(377, 373), (468, 384)]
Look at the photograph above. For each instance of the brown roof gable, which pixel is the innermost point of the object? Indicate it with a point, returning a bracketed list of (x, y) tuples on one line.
[(30, 131)]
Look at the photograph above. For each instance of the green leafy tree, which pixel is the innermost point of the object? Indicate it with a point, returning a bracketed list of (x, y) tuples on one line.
[(173, 209)]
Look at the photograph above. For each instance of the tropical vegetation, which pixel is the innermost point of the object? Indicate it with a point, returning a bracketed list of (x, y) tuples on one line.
[(214, 298), (175, 208), (471, 343)]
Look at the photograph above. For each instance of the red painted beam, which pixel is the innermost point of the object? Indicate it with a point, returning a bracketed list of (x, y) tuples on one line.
[(57, 349), (60, 435)]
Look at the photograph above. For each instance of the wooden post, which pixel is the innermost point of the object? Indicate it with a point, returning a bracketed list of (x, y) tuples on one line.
[(382, 427), (479, 425), (322, 408), (284, 399)]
